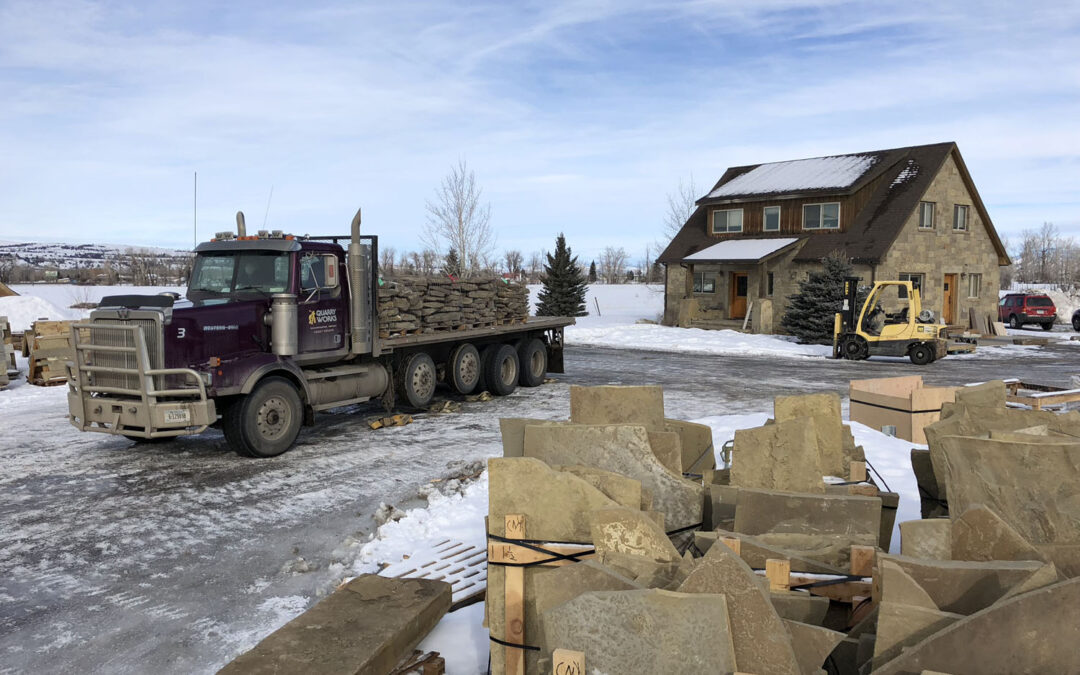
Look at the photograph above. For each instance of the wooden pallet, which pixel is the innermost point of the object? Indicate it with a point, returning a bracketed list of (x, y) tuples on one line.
[(1038, 395), (420, 663), (48, 347), (460, 565)]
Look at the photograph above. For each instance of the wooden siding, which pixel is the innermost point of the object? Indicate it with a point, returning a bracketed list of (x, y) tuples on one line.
[(791, 212)]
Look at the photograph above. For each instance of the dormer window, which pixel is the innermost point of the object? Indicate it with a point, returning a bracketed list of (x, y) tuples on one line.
[(724, 222), (821, 216)]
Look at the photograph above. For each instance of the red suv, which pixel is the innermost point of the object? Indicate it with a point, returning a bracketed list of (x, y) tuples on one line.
[(1016, 309)]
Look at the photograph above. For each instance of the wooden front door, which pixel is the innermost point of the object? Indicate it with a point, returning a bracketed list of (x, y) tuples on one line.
[(948, 308), (739, 284)]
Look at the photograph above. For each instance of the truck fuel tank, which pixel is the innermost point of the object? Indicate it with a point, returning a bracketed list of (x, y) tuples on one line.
[(283, 324)]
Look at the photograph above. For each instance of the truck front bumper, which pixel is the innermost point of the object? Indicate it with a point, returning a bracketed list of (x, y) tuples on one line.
[(126, 395)]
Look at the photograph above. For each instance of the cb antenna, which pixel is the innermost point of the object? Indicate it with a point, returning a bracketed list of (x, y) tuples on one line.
[(267, 214)]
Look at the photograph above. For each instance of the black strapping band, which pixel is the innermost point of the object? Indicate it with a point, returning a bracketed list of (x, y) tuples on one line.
[(555, 555), (504, 643), (826, 582)]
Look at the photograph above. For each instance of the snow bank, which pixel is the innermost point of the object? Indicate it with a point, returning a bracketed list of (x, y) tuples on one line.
[(692, 341), (23, 310), (609, 305)]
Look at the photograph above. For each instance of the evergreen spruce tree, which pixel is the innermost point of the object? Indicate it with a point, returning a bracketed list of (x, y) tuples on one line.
[(592, 272), (451, 265), (563, 292), (810, 312)]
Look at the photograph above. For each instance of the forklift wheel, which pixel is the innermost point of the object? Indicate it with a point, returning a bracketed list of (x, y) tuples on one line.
[(854, 348), (921, 355)]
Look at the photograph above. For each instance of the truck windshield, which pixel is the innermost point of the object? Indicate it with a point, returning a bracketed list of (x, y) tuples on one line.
[(243, 272)]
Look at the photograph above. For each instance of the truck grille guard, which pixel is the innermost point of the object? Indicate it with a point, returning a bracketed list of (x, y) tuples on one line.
[(137, 371)]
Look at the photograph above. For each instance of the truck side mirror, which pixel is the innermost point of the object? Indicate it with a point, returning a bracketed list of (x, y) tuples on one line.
[(330, 271)]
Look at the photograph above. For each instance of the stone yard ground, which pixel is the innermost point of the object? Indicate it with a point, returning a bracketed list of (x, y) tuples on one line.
[(176, 557)]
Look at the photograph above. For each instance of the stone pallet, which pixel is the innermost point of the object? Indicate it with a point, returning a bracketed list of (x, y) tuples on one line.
[(47, 346), (7, 353), (410, 305)]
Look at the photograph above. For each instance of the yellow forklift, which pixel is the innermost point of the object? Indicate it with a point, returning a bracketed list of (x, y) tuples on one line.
[(890, 322)]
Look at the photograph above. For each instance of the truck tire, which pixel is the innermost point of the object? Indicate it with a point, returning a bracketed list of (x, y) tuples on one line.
[(532, 358), (921, 354), (416, 379), (266, 422), (501, 369), (464, 368)]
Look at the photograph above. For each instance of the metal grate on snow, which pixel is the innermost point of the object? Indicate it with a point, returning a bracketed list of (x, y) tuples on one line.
[(461, 565)]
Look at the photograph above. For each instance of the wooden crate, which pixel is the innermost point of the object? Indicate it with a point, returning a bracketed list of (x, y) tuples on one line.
[(48, 347), (1038, 395), (902, 402)]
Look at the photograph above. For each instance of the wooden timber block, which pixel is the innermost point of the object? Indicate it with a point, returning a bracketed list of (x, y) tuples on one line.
[(567, 662), (862, 561), (863, 490), (858, 472), (515, 602), (733, 543), (778, 572)]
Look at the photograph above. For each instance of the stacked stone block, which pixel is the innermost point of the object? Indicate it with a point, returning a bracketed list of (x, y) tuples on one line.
[(411, 305)]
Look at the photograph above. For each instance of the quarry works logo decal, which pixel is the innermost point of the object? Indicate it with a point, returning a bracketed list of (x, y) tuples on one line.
[(318, 317)]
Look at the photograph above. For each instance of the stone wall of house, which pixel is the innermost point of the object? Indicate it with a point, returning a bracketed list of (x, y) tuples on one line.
[(942, 250)]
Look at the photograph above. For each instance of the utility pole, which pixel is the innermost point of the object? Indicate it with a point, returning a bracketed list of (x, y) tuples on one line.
[(195, 214)]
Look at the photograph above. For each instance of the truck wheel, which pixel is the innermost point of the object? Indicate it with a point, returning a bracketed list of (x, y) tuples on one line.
[(464, 368), (416, 379), (501, 369), (266, 422), (532, 357), (921, 355)]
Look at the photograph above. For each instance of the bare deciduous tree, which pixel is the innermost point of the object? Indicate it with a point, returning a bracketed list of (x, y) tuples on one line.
[(514, 261), (458, 220), (387, 258), (612, 266), (681, 205), (535, 266)]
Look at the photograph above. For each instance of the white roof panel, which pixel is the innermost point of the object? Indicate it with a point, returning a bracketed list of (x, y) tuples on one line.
[(801, 174), (741, 249)]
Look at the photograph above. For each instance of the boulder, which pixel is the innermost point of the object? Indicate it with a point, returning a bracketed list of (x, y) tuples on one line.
[(780, 456)]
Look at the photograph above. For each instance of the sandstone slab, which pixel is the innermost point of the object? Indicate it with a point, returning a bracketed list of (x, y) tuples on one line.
[(617, 487), (824, 409), (513, 433), (897, 587), (642, 406), (901, 626), (622, 530), (1030, 486), (556, 505), (698, 455), (799, 606), (755, 550), (667, 446), (625, 450), (761, 643), (780, 456), (812, 644), (363, 628), (980, 534), (1032, 634), (930, 538), (963, 587), (820, 526), (645, 631)]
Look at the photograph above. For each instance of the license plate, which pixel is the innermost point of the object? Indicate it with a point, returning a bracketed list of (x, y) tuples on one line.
[(174, 416)]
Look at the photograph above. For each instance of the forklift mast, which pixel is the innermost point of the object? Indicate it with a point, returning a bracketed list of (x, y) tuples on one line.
[(849, 312)]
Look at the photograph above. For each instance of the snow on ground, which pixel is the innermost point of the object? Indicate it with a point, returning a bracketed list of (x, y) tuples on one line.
[(463, 641), (692, 340)]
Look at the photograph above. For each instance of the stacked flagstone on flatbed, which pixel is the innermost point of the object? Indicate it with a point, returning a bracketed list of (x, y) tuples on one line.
[(412, 305)]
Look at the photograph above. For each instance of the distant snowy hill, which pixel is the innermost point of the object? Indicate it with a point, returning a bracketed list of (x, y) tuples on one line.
[(74, 256)]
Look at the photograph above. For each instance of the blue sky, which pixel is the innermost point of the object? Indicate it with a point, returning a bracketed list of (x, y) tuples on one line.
[(576, 116)]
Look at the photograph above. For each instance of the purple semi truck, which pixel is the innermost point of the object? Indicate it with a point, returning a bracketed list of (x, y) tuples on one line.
[(274, 329)]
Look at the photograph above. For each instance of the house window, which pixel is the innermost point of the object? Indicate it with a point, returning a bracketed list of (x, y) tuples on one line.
[(960, 218), (727, 221), (771, 219), (821, 216), (926, 215), (974, 285), (704, 282), (916, 282), (770, 285)]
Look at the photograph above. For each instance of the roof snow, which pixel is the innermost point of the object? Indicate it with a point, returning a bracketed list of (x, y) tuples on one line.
[(801, 174), (741, 249), (907, 173)]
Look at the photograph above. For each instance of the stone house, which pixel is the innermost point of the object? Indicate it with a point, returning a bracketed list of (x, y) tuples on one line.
[(906, 213)]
